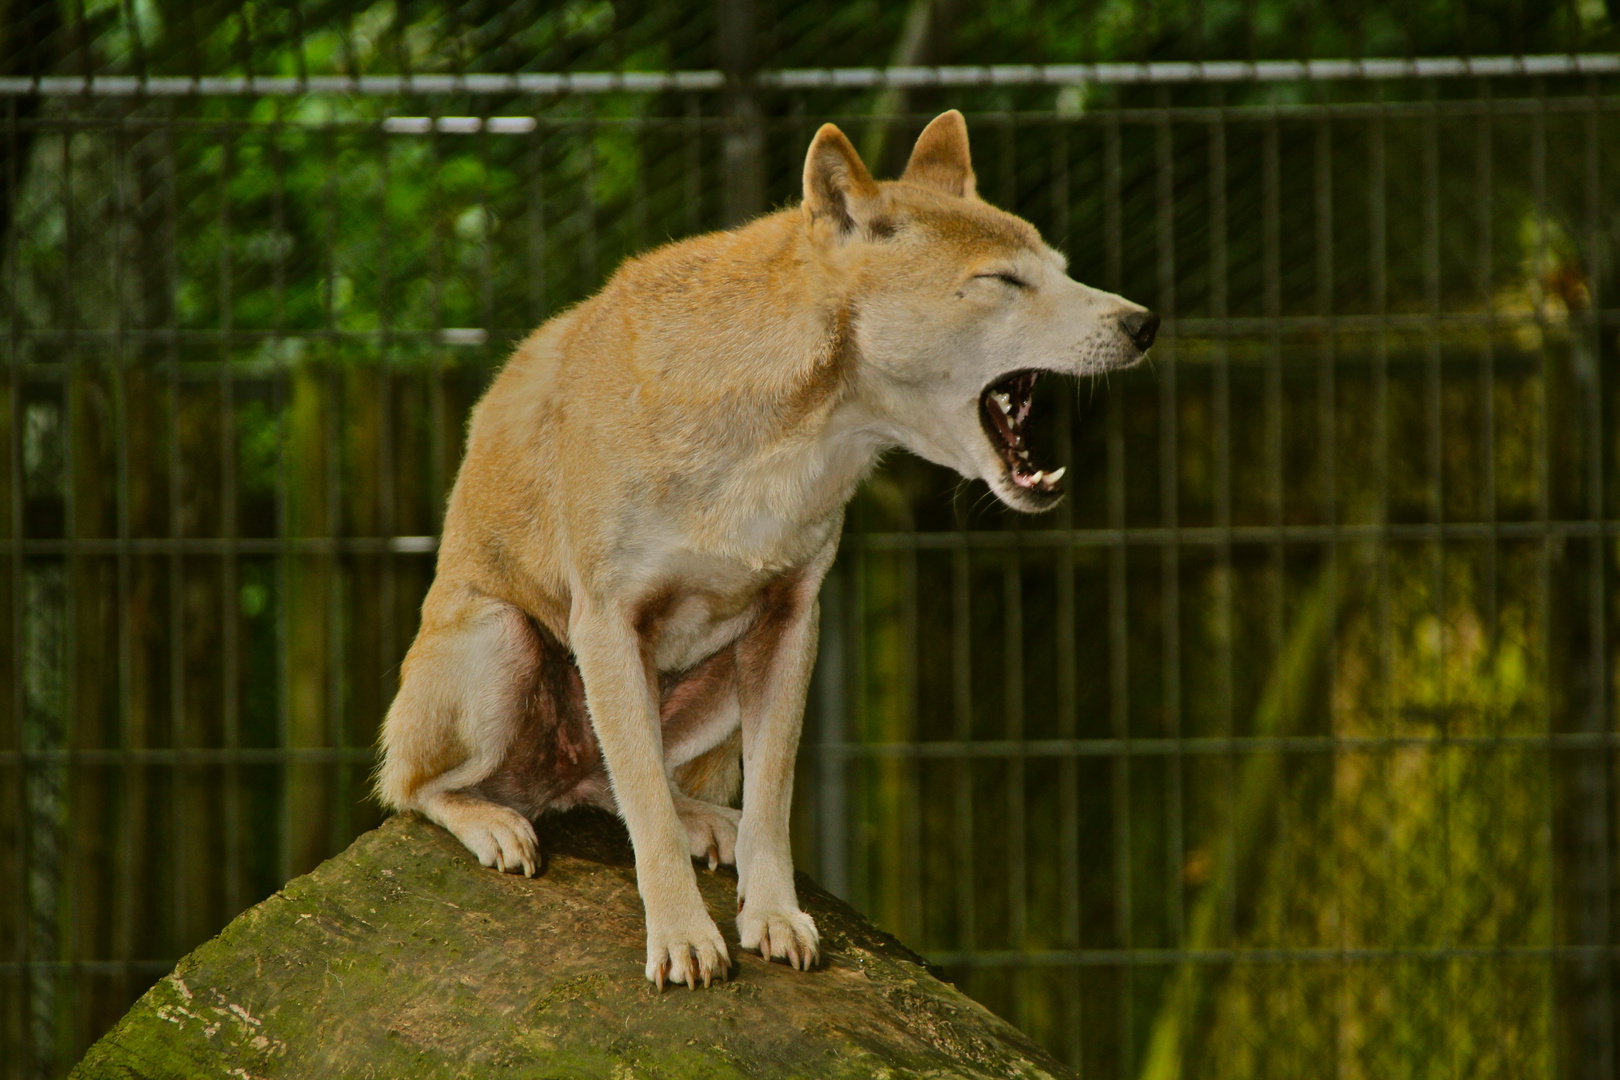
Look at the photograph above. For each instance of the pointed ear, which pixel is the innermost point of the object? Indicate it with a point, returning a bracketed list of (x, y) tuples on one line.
[(940, 158), (837, 187)]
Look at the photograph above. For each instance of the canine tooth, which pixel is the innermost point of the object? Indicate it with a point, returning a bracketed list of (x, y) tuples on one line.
[(1056, 474), (1024, 454), (1036, 478), (1002, 400)]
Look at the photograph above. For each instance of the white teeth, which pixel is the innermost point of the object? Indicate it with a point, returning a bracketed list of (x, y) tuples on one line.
[(1002, 400), (1024, 454), (1036, 478), (1055, 475)]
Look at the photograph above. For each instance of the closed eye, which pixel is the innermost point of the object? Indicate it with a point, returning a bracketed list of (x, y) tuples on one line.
[(1011, 279)]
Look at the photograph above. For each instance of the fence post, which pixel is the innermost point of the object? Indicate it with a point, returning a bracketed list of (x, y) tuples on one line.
[(742, 152)]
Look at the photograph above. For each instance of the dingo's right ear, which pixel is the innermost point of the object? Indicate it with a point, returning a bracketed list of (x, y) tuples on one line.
[(940, 159), (837, 187)]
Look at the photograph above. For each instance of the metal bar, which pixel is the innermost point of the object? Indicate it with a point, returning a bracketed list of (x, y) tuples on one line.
[(281, 406), (131, 858), (908, 881), (175, 478), (17, 945), (1434, 388), (1136, 746), (339, 805), (1141, 746), (193, 756), (1169, 517), (1594, 778), (1275, 534), (651, 82), (1221, 421), (65, 686), (1070, 879), (406, 126), (1327, 434), (1275, 470), (590, 266), (229, 546), (1545, 554), (1013, 714), (962, 725), (742, 145), (692, 160), (438, 419), (1127, 958), (1484, 169), (1012, 701), (538, 239), (1187, 536), (1118, 626), (230, 575), (391, 644), (1463, 326)]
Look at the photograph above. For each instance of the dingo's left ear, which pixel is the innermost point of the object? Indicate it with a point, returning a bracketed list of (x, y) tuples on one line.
[(837, 186), (940, 158)]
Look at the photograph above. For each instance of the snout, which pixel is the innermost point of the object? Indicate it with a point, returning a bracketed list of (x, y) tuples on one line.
[(1140, 327)]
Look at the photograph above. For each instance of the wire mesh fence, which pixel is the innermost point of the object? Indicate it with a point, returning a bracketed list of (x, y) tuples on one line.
[(1285, 746)]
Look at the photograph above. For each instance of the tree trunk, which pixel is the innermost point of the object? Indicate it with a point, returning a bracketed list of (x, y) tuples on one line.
[(404, 957)]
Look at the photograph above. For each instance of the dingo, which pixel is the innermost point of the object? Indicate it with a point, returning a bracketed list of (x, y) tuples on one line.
[(653, 488)]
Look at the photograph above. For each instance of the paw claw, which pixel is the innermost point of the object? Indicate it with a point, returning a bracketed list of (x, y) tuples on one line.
[(502, 838), (684, 955), (785, 934), (711, 830)]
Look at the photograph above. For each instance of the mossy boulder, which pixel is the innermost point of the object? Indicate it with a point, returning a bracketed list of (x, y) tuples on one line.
[(404, 957)]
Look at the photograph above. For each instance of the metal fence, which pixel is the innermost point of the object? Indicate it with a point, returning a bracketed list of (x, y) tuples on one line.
[(1284, 747)]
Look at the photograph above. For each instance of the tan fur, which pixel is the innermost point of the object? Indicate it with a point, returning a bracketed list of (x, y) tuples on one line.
[(653, 489)]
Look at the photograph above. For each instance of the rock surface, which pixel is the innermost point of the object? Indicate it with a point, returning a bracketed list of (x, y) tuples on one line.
[(404, 957)]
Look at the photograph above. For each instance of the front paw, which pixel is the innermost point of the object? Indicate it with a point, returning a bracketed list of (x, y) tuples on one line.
[(781, 932), (687, 954)]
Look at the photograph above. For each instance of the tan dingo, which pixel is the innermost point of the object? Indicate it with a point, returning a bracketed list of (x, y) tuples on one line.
[(653, 489)]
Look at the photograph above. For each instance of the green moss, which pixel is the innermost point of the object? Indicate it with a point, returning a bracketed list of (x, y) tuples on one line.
[(403, 957)]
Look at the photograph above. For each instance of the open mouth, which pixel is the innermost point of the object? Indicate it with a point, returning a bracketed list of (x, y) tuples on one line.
[(1004, 409)]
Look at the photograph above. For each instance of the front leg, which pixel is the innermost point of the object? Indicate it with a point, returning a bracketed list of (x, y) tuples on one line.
[(683, 944), (775, 659)]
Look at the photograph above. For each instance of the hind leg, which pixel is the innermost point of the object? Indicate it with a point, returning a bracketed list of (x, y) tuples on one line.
[(711, 830), (774, 661), (452, 724), (701, 789), (703, 751)]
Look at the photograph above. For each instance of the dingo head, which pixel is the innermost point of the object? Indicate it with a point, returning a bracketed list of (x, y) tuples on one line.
[(957, 307)]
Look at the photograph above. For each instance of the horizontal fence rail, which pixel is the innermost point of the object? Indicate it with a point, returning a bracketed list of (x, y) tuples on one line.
[(943, 76)]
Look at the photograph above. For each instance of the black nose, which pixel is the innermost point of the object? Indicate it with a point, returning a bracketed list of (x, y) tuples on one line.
[(1140, 326)]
